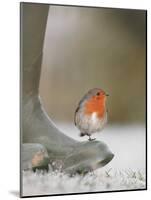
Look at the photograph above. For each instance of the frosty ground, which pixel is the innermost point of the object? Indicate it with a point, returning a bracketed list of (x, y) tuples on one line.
[(125, 171)]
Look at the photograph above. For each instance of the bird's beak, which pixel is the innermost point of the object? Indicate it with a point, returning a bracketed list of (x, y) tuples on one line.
[(107, 95)]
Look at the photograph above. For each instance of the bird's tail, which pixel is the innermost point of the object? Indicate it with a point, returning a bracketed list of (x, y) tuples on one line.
[(82, 134)]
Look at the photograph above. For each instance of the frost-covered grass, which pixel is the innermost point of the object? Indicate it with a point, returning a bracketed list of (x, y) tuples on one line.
[(125, 171), (101, 180)]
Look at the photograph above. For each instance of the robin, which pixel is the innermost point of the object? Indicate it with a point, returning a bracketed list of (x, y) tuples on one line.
[(91, 114)]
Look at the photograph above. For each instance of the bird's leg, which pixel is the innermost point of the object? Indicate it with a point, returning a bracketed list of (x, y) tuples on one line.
[(91, 139)]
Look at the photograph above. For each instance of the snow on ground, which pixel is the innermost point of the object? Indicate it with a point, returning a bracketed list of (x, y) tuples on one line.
[(125, 171)]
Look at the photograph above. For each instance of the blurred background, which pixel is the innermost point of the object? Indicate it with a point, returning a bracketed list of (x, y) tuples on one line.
[(95, 47)]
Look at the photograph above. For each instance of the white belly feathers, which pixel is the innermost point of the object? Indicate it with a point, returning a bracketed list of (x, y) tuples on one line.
[(90, 123)]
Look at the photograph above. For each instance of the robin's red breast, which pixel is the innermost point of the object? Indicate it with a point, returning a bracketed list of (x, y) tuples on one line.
[(91, 113)]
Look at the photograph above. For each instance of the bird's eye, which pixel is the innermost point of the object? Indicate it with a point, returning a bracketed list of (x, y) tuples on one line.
[(98, 94)]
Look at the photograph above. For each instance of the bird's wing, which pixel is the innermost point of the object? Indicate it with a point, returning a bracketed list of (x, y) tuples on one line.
[(82, 101), (75, 114)]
